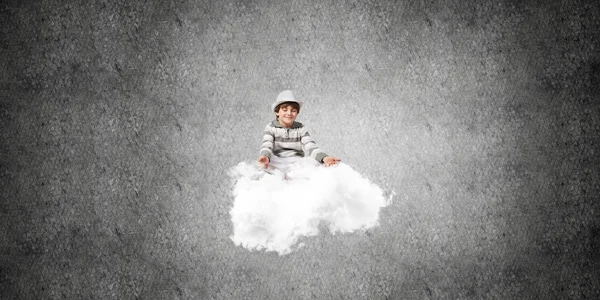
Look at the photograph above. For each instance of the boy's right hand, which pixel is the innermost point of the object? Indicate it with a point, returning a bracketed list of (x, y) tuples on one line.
[(263, 161)]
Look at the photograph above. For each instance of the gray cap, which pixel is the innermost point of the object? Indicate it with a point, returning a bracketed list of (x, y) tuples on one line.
[(286, 96)]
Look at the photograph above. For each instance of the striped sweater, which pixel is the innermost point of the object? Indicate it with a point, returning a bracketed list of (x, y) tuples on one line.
[(287, 142)]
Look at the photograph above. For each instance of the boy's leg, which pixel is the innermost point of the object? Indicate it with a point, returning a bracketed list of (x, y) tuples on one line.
[(282, 164), (303, 168)]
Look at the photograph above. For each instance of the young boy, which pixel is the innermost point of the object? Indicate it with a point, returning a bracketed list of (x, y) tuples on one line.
[(286, 141)]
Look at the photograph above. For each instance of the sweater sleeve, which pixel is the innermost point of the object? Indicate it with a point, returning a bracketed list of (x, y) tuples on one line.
[(310, 146), (268, 139)]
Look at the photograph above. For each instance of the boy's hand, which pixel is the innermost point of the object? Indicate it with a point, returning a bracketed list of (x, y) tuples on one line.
[(330, 161), (263, 161)]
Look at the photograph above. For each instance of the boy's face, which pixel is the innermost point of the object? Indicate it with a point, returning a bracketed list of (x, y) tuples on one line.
[(287, 114)]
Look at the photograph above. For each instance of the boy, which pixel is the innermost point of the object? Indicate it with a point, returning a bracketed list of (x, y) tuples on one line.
[(285, 140)]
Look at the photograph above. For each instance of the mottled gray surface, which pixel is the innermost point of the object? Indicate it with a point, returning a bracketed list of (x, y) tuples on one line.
[(119, 121)]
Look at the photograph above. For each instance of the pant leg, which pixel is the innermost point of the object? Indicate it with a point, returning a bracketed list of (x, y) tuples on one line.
[(283, 164), (303, 168)]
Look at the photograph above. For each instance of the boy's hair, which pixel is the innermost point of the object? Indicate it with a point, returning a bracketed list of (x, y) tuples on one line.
[(293, 104)]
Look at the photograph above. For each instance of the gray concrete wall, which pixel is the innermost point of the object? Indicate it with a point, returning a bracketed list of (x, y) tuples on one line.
[(120, 119)]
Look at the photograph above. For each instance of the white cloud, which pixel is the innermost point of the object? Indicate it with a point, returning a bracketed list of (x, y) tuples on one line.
[(272, 213)]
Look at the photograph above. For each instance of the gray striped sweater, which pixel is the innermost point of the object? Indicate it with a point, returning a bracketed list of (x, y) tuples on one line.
[(288, 142)]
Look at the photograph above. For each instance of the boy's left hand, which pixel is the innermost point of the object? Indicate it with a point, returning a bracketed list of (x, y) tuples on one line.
[(330, 161)]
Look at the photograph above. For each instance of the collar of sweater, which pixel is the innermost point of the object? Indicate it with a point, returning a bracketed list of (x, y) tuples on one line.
[(294, 125)]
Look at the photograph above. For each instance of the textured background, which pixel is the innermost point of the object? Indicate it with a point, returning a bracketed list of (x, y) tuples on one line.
[(119, 120)]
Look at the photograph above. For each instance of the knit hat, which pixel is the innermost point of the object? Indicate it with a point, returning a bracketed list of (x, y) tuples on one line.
[(286, 96)]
